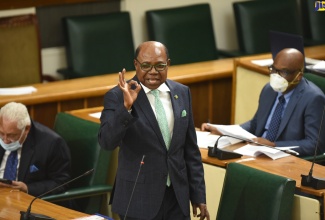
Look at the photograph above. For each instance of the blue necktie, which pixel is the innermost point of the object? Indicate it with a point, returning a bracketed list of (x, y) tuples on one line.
[(162, 122), (276, 120), (11, 166)]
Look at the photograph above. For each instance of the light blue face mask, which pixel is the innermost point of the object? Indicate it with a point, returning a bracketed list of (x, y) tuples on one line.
[(13, 146)]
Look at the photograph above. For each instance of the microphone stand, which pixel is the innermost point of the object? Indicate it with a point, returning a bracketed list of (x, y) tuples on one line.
[(135, 183), (32, 216), (309, 180), (223, 154)]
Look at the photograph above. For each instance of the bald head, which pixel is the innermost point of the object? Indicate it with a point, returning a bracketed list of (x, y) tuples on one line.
[(158, 47), (290, 59)]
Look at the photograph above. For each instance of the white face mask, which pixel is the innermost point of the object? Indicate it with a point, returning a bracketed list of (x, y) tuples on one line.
[(13, 146), (278, 83)]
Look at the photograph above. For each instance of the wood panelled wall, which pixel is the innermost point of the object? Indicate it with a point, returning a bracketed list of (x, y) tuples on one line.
[(13, 4)]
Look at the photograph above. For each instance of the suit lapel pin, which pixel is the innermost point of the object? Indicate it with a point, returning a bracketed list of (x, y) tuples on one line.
[(176, 96), (184, 113)]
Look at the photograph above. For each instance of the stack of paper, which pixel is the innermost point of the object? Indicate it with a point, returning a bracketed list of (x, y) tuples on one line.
[(235, 131), (18, 90), (252, 150)]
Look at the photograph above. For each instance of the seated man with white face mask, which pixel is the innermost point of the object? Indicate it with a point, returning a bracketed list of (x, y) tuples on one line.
[(33, 156), (290, 108)]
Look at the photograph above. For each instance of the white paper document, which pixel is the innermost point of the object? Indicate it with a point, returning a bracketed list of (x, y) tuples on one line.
[(18, 90), (263, 62), (91, 217), (95, 115), (311, 60), (206, 139), (254, 151), (319, 66), (235, 131)]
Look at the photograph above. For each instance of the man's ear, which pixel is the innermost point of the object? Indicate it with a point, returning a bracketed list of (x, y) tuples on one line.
[(27, 128), (301, 74)]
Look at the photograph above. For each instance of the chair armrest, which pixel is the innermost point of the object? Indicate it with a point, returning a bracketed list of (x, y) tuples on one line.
[(68, 73), (233, 53), (49, 78), (311, 42), (320, 159), (80, 192)]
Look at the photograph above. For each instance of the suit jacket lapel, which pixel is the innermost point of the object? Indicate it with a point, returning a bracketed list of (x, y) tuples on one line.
[(294, 99), (26, 156), (266, 108), (176, 104), (142, 103)]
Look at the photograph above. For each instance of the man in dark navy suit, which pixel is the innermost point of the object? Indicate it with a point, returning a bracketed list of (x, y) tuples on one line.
[(42, 156), (172, 174)]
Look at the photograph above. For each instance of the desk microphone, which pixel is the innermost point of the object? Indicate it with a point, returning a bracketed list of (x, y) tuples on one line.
[(32, 216), (309, 180), (223, 154), (135, 183)]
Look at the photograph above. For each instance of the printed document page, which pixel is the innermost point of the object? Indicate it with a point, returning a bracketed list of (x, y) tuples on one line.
[(234, 130), (252, 150)]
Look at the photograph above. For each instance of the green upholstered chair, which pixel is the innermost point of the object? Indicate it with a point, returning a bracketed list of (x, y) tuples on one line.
[(254, 20), (320, 82), (88, 192), (187, 31), (98, 44), (251, 194), (20, 51), (313, 23)]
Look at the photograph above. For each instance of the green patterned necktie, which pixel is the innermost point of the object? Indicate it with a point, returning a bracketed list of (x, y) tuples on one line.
[(161, 118), (162, 122)]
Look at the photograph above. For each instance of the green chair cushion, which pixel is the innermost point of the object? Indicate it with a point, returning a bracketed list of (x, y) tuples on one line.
[(254, 20), (79, 193), (187, 32), (98, 44), (86, 154), (249, 193)]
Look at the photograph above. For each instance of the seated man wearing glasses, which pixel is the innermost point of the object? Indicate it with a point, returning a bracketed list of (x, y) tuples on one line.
[(32, 156), (290, 109)]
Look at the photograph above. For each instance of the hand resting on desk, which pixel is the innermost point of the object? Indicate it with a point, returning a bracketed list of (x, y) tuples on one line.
[(16, 185)]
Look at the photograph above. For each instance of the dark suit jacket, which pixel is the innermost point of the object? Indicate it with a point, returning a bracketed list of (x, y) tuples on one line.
[(138, 134), (49, 153), (301, 120)]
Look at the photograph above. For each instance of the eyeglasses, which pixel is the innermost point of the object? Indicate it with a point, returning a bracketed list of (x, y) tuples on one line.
[(147, 67), (12, 137), (283, 73)]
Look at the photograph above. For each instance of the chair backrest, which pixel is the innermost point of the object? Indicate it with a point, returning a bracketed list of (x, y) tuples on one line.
[(186, 31), (254, 20), (313, 22), (99, 44), (81, 137), (20, 59), (250, 194), (318, 80)]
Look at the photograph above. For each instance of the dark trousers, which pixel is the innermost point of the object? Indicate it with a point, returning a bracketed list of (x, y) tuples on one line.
[(169, 210)]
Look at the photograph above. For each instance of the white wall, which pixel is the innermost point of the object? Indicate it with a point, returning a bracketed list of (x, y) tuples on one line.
[(222, 15)]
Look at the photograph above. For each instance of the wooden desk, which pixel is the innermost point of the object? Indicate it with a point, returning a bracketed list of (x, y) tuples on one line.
[(291, 167), (249, 79), (13, 201), (210, 84)]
